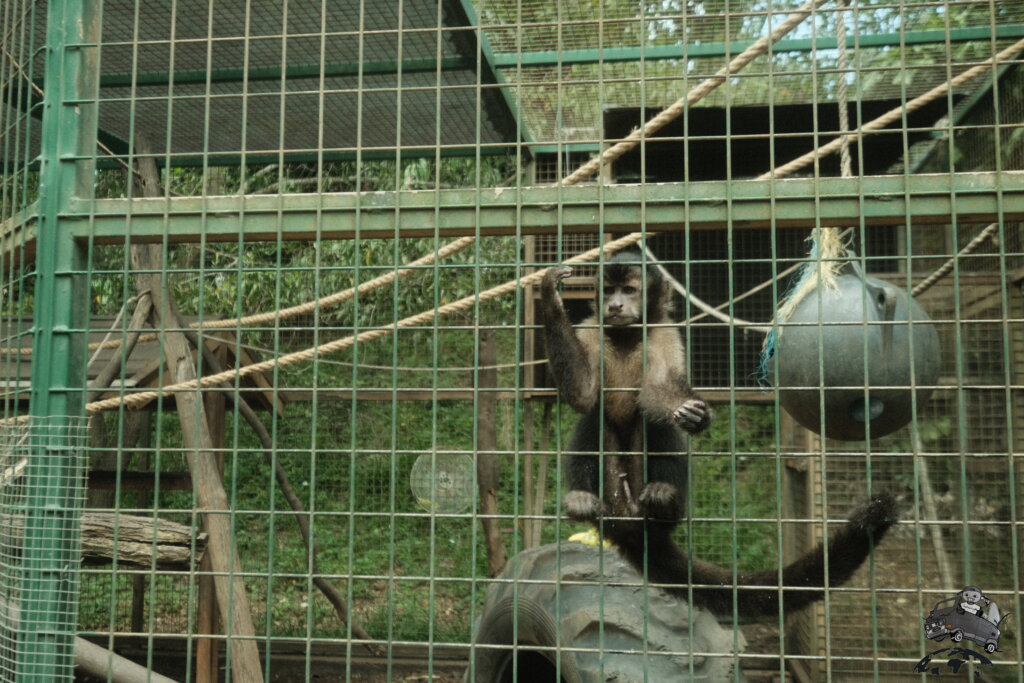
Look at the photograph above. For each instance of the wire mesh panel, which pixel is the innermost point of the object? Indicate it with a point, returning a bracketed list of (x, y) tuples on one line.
[(21, 588), (280, 272)]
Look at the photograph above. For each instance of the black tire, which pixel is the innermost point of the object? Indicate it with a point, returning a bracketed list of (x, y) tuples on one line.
[(990, 647), (957, 636), (553, 599)]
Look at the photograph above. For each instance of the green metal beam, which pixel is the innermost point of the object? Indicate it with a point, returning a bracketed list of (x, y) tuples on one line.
[(276, 73), (507, 60), (53, 477), (790, 203)]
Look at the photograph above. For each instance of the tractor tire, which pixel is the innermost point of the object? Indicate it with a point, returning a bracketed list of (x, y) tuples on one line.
[(563, 614)]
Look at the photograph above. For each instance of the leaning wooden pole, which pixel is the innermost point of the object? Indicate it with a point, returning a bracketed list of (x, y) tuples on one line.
[(211, 498), (487, 464)]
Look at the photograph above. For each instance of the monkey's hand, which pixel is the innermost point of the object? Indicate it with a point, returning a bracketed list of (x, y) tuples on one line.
[(553, 276), (659, 500), (551, 302), (693, 416), (583, 506), (876, 515)]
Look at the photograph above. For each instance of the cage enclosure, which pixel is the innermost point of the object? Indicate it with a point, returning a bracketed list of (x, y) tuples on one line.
[(277, 402)]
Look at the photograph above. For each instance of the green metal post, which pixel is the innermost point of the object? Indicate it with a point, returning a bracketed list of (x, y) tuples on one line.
[(48, 606)]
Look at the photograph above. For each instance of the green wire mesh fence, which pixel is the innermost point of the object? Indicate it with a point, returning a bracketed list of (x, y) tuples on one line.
[(276, 398)]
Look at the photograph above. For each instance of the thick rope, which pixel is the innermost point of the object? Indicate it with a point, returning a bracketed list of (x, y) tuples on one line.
[(301, 309), (140, 399), (828, 246), (895, 114), (842, 64), (926, 284)]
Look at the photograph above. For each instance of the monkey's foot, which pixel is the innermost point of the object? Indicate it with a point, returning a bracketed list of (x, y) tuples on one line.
[(660, 501), (583, 506), (692, 415)]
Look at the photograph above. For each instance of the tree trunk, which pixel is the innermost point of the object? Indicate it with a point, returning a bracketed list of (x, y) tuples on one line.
[(487, 462)]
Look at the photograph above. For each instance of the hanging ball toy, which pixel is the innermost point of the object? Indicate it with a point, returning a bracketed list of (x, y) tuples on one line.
[(850, 354)]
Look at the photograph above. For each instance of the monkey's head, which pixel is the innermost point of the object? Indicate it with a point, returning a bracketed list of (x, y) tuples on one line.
[(624, 290)]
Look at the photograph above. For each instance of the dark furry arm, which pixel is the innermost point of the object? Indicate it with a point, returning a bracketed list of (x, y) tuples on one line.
[(570, 364), (802, 580)]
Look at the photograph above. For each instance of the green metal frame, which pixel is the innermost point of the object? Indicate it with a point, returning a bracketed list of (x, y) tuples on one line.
[(664, 207), (49, 599), (275, 73), (791, 203), (56, 228)]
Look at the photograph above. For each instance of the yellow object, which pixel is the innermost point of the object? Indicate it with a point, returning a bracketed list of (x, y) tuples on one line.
[(590, 537)]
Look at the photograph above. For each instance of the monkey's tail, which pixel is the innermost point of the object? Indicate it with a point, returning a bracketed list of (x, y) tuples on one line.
[(802, 582)]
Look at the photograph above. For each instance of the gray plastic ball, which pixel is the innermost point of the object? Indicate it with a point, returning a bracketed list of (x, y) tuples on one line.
[(864, 333)]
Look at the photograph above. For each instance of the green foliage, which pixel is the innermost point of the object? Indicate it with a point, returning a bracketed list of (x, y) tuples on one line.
[(727, 484)]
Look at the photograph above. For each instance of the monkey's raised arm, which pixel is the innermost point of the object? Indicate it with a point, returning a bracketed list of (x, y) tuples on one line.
[(666, 395), (570, 364)]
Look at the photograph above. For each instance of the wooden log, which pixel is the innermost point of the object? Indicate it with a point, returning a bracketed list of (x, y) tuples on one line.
[(140, 540), (109, 666), (97, 662)]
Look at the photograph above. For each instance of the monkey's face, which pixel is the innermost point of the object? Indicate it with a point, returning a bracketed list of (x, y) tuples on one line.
[(623, 301)]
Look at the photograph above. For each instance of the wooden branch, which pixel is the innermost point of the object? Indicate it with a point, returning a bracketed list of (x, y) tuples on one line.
[(301, 518), (113, 366), (211, 498), (487, 465)]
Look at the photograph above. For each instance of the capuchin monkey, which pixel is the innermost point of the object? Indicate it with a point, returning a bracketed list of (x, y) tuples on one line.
[(625, 373)]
